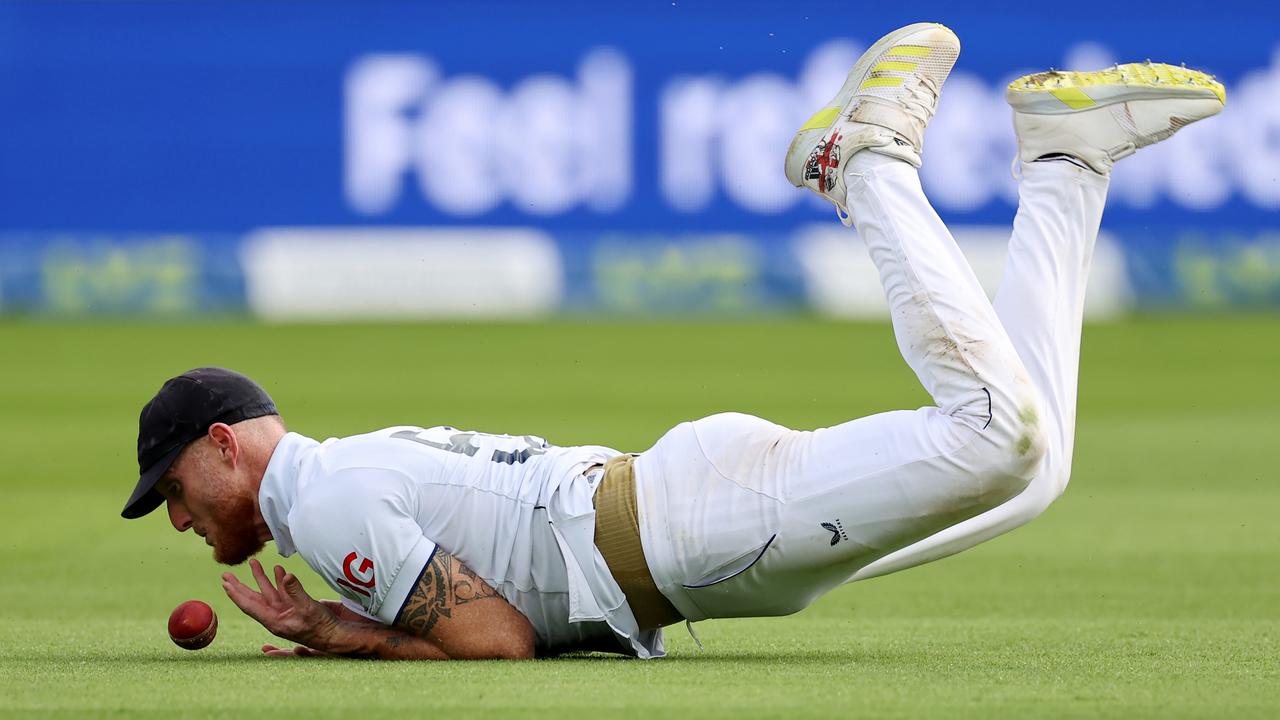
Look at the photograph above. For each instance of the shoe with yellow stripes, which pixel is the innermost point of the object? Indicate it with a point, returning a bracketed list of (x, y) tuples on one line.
[(1101, 117), (886, 101)]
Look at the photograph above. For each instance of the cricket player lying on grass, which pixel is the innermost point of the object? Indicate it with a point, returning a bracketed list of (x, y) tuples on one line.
[(451, 544)]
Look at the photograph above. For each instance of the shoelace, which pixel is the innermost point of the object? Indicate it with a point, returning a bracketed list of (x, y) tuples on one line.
[(921, 98)]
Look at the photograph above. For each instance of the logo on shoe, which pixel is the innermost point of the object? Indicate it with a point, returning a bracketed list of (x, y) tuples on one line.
[(822, 163), (836, 528)]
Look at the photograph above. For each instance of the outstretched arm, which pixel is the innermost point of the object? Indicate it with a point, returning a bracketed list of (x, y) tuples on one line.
[(450, 614), (461, 614)]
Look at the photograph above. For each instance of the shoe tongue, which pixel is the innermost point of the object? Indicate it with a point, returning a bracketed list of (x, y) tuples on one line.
[(892, 117)]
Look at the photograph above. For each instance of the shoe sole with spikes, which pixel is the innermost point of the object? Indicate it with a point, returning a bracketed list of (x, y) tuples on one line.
[(1101, 117)]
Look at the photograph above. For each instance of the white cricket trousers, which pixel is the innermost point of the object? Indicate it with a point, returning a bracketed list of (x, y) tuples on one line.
[(743, 517)]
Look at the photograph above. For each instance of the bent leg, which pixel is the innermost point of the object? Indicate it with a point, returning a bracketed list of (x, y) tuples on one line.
[(1041, 298), (729, 505), (1041, 301), (1041, 304)]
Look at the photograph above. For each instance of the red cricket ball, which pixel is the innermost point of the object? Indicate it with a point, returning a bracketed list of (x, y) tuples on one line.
[(192, 625)]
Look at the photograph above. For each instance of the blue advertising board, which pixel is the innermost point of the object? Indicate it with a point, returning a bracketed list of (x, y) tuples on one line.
[(633, 126)]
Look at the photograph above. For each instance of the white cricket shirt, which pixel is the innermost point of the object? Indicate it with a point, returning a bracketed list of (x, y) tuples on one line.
[(367, 512)]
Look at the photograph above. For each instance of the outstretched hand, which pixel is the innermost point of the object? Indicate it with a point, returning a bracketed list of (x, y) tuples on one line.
[(285, 609)]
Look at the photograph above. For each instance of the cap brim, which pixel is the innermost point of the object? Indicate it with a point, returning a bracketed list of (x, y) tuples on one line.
[(145, 498)]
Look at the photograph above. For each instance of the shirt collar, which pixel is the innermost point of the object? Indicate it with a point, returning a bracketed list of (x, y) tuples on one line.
[(280, 487)]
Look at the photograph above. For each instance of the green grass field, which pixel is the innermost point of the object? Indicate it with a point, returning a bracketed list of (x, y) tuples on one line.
[(1152, 589)]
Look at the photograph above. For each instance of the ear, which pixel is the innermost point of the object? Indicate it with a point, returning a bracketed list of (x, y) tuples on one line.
[(223, 440)]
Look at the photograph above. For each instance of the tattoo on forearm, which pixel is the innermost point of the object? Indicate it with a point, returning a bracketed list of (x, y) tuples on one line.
[(441, 588)]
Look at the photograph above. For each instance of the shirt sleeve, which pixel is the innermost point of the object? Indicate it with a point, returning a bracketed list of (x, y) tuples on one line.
[(356, 608), (358, 529)]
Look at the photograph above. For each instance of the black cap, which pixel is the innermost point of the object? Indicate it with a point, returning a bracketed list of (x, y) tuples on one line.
[(182, 412)]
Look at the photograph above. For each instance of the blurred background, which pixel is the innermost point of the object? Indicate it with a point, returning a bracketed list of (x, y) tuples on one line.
[(333, 160)]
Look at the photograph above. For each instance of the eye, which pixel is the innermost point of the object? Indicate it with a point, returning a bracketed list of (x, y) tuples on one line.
[(175, 489)]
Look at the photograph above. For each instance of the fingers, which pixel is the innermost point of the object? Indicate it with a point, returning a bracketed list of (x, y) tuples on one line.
[(229, 579), (301, 651), (269, 592), (283, 608), (287, 584), (292, 585), (250, 602)]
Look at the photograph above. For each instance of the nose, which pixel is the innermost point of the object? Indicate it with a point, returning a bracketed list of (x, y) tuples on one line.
[(179, 516)]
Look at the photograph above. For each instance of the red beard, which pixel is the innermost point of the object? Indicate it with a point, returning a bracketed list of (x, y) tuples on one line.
[(235, 539)]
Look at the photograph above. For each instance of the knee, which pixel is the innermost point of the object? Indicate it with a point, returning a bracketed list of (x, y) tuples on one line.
[(1014, 446), (1031, 439)]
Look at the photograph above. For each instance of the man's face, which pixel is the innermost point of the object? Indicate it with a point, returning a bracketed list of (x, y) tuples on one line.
[(206, 491)]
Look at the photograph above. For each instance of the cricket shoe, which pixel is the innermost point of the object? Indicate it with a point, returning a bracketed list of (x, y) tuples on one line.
[(1101, 117), (884, 105)]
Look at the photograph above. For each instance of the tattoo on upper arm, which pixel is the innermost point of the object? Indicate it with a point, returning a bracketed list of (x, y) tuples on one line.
[(468, 586), (445, 583)]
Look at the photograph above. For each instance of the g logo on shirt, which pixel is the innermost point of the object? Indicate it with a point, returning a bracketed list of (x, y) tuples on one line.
[(354, 581)]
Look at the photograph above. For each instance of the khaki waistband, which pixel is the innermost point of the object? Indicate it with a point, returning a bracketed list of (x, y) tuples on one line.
[(618, 538)]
